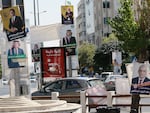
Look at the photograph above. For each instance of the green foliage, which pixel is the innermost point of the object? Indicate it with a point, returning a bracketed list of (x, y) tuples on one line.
[(86, 54), (111, 38), (110, 44), (124, 25), (133, 33), (102, 60)]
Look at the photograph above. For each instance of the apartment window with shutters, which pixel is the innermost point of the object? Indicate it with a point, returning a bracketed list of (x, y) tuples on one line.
[(106, 4), (106, 20), (6, 3)]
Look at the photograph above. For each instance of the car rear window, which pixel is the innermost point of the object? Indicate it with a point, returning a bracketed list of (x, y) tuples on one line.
[(96, 82)]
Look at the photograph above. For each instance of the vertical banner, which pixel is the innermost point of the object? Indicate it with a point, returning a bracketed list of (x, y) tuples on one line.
[(140, 82), (117, 62), (67, 14), (53, 62), (16, 54), (36, 52), (13, 23), (68, 39)]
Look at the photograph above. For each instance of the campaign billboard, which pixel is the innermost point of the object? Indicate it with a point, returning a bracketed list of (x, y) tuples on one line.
[(16, 54), (117, 62), (53, 62), (68, 39), (13, 23), (36, 51), (139, 78), (67, 14)]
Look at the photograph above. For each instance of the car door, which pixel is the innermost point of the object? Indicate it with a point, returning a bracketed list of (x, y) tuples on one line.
[(72, 88)]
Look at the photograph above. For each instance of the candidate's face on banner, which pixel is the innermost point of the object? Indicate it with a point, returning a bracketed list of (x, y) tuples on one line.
[(36, 52), (141, 83), (16, 54), (67, 14), (13, 23), (68, 39)]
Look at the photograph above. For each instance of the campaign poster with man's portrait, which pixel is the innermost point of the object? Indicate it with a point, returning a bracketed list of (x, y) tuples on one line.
[(67, 14), (68, 39), (13, 23), (36, 52), (16, 54), (140, 80)]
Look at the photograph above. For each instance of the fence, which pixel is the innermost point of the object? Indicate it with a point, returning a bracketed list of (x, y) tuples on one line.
[(84, 100)]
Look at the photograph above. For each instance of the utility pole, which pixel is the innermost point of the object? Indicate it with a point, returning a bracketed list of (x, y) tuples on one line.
[(34, 4), (38, 15)]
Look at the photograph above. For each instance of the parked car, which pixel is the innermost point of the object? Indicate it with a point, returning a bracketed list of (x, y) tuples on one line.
[(72, 86), (104, 75), (110, 81), (5, 81)]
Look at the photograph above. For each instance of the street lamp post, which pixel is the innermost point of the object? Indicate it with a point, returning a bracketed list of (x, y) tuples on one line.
[(34, 12), (37, 14)]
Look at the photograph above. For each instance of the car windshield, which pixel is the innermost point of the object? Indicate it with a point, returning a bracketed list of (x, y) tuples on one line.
[(104, 76), (115, 77), (96, 82)]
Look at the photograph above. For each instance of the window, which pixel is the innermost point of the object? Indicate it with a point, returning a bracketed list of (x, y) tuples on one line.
[(56, 86), (72, 84), (106, 34), (106, 20), (6, 3), (106, 4)]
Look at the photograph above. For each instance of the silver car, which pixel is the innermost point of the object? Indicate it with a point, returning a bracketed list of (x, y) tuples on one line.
[(72, 86)]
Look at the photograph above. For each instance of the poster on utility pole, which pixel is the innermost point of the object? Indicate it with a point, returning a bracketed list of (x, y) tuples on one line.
[(117, 62), (53, 63), (13, 23), (16, 54), (67, 14), (68, 39)]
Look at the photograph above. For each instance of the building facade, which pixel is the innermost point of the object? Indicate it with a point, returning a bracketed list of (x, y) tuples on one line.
[(81, 23), (97, 13)]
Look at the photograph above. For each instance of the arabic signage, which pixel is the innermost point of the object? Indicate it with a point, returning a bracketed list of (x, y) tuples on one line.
[(53, 62)]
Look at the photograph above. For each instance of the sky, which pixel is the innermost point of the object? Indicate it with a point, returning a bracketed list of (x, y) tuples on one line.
[(52, 8)]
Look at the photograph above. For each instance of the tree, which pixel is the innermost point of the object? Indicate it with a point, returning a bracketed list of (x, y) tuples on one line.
[(86, 54), (102, 61), (128, 30), (110, 44), (143, 20), (103, 56)]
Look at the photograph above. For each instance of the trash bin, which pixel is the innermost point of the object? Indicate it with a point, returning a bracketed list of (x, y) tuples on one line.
[(107, 110)]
